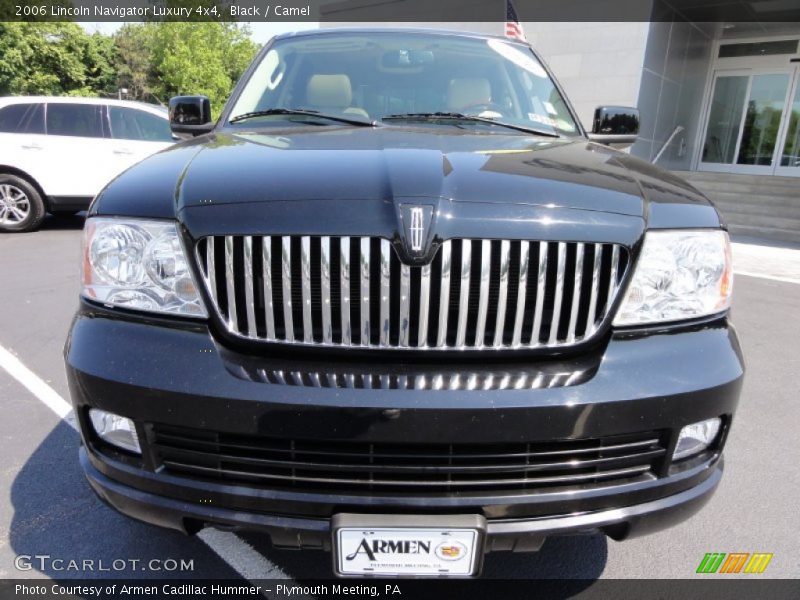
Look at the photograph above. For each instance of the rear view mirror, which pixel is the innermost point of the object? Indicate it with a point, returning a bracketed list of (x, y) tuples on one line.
[(616, 126), (190, 115), (398, 59)]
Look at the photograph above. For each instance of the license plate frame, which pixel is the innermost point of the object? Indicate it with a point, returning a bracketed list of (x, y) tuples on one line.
[(446, 537)]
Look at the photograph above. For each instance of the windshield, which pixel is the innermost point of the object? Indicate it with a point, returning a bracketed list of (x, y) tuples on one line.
[(372, 76)]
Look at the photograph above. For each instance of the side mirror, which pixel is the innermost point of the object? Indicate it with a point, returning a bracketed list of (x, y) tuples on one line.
[(616, 126), (190, 116)]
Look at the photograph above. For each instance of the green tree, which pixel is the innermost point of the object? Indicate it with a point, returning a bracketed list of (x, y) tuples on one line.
[(134, 60), (153, 60), (99, 58), (183, 58), (54, 59)]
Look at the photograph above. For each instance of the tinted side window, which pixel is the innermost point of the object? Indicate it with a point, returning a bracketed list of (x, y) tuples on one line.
[(33, 121), (22, 118), (132, 124), (81, 120), (13, 117)]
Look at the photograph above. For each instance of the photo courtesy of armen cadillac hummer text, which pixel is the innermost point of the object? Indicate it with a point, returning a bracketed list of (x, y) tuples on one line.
[(396, 303)]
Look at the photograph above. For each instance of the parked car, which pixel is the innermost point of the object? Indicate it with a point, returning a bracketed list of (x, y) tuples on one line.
[(57, 153), (397, 304)]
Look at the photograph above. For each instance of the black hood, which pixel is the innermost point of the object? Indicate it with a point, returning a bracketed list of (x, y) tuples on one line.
[(340, 177)]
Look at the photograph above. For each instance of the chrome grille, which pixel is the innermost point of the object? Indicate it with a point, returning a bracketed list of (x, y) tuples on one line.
[(442, 379), (355, 291), (404, 468)]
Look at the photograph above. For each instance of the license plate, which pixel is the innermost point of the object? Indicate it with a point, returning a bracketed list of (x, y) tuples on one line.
[(401, 548)]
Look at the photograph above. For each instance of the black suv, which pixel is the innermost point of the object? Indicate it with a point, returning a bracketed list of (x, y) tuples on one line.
[(398, 304)]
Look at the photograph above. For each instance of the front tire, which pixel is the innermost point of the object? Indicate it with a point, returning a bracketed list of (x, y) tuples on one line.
[(21, 206)]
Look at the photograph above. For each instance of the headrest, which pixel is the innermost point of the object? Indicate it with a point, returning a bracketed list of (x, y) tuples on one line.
[(332, 91), (468, 91)]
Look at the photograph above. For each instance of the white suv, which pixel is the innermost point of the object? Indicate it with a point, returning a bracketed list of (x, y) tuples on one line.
[(56, 154)]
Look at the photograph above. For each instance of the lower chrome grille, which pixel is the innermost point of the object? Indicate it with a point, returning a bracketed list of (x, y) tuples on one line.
[(401, 468), (519, 379), (355, 291)]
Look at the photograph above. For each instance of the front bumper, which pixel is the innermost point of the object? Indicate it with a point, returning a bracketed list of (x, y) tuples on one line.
[(502, 534), (155, 372)]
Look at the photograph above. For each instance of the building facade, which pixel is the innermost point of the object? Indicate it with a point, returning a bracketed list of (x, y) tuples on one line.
[(726, 96)]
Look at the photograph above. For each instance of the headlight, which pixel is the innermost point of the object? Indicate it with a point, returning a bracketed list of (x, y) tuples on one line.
[(679, 275), (138, 264)]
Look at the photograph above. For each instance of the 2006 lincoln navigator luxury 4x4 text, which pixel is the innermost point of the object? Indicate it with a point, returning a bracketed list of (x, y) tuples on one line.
[(398, 304)]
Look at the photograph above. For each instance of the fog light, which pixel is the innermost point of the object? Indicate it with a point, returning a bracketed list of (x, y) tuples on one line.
[(695, 438), (115, 430)]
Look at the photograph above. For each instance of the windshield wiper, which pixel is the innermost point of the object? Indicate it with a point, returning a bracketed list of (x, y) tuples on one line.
[(455, 116), (306, 112)]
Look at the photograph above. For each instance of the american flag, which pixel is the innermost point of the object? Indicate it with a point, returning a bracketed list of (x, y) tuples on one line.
[(513, 27)]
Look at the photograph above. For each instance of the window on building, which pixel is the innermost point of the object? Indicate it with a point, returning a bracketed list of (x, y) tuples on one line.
[(790, 156), (758, 49)]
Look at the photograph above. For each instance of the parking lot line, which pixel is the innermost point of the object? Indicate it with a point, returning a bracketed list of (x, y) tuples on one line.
[(47, 395), (237, 553), (766, 276), (240, 555), (766, 262)]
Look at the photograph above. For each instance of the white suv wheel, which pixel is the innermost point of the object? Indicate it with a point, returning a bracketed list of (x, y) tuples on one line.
[(21, 205), (14, 205)]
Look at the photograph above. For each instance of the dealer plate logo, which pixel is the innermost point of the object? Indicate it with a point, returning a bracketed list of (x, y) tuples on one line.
[(452, 550)]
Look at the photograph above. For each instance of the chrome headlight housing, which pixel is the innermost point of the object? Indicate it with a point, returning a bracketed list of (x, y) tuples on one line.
[(679, 275), (139, 264)]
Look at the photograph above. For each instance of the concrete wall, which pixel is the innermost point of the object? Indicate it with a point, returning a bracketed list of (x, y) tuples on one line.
[(673, 82), (660, 67), (596, 63)]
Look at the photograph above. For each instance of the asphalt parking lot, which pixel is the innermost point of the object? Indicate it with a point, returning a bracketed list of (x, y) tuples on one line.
[(48, 508)]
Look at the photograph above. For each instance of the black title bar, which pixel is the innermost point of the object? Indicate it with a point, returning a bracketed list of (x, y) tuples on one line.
[(387, 11)]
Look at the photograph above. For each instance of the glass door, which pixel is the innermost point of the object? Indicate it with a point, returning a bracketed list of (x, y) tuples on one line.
[(789, 157), (724, 120), (746, 123)]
